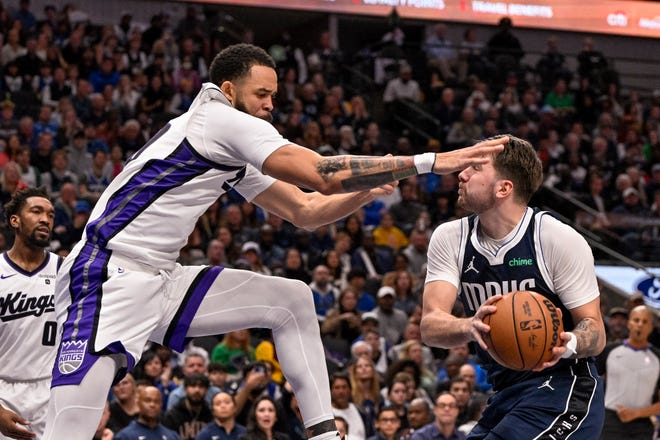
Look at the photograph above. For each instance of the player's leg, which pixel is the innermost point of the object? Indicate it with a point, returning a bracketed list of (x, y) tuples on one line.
[(236, 299), (74, 411), (480, 432), (561, 404), (98, 305)]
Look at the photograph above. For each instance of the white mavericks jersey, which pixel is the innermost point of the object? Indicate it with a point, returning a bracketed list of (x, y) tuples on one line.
[(151, 207), (28, 327)]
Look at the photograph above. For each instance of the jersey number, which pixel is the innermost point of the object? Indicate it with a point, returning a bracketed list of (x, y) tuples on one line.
[(50, 333), (230, 183)]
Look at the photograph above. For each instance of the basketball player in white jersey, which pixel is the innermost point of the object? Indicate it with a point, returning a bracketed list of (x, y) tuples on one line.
[(121, 285), (28, 327)]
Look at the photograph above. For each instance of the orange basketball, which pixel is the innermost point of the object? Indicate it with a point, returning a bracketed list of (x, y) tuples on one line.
[(523, 330)]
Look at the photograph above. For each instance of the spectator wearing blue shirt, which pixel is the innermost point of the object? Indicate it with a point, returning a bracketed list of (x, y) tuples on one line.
[(324, 292), (224, 426), (195, 360), (444, 425), (357, 280), (26, 17), (147, 426), (106, 74), (373, 212), (45, 123), (462, 355)]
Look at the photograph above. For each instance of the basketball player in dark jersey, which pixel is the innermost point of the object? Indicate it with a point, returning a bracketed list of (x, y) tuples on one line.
[(507, 246)]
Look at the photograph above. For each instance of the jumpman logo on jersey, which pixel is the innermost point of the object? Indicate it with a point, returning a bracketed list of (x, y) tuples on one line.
[(471, 266), (546, 384)]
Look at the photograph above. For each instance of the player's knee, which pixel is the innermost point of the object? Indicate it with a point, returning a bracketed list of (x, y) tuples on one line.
[(300, 292), (297, 295)]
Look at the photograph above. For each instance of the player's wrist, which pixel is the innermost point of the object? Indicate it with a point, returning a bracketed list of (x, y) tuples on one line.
[(424, 162), (571, 347)]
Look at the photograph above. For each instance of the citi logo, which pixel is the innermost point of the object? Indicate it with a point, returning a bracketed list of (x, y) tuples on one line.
[(617, 19), (515, 262)]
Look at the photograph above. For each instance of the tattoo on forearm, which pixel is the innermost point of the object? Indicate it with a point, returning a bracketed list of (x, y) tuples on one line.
[(365, 171), (368, 181), (328, 167), (587, 334)]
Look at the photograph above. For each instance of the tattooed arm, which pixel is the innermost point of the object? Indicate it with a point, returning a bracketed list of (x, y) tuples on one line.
[(589, 332), (340, 174), (589, 329)]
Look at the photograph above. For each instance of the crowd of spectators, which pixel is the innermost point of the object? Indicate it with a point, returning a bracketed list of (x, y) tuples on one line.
[(79, 98)]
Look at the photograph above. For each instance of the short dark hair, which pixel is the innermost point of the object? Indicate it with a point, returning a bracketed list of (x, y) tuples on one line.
[(458, 379), (386, 408), (234, 62), (217, 366), (356, 273), (196, 379), (19, 199), (520, 164), (340, 375)]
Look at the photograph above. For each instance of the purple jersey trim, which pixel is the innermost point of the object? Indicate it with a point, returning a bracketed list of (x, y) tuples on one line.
[(175, 337)]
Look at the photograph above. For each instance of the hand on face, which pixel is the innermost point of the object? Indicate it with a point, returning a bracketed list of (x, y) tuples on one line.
[(458, 160)]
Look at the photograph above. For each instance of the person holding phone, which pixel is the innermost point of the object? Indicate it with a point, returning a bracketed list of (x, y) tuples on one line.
[(256, 382)]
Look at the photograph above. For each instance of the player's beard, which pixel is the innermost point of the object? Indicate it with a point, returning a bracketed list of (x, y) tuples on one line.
[(33, 241), (240, 105), (477, 203)]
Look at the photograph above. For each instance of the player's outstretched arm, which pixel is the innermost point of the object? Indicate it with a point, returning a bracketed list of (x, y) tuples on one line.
[(340, 174), (309, 210), (10, 425)]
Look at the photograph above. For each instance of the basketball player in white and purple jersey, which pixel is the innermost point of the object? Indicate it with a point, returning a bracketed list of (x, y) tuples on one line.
[(28, 327), (507, 246), (121, 285)]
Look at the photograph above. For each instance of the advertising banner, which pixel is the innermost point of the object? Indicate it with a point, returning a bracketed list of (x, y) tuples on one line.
[(634, 18)]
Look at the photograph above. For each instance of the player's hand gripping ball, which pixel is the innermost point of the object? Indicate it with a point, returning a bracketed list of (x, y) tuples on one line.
[(523, 330)]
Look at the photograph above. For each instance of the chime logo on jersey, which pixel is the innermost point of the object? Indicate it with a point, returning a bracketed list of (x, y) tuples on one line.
[(18, 305), (71, 356)]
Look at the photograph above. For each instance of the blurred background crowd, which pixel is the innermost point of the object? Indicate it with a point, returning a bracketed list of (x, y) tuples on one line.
[(78, 98)]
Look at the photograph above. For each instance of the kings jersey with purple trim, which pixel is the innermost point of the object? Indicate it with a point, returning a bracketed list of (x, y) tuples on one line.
[(150, 208), (28, 327)]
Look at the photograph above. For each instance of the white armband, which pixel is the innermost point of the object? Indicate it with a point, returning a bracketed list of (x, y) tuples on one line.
[(424, 162), (570, 347)]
